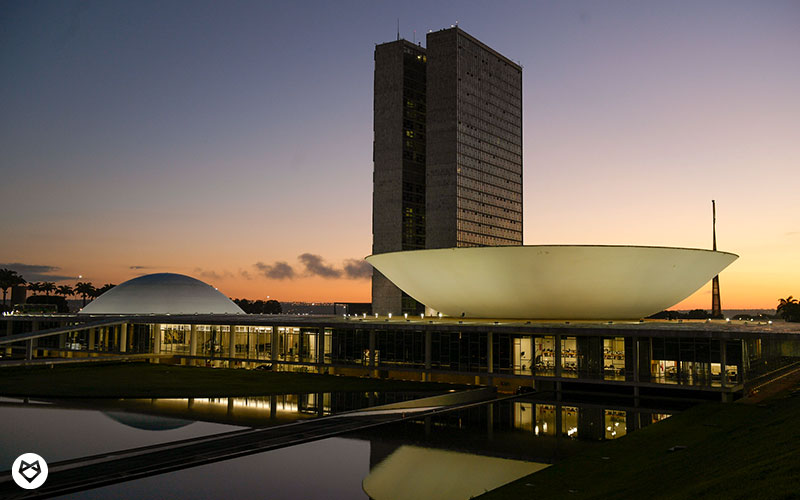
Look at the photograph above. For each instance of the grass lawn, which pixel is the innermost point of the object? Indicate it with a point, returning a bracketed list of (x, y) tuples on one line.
[(747, 451), (145, 380)]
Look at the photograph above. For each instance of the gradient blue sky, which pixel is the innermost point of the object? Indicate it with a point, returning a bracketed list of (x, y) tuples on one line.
[(206, 137)]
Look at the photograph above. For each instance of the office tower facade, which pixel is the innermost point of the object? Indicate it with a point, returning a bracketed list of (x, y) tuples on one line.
[(398, 197), (474, 160), (447, 151)]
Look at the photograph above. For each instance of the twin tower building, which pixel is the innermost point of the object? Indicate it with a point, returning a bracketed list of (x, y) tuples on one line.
[(447, 151)]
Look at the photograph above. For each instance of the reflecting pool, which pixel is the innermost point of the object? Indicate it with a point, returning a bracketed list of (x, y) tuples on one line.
[(480, 448)]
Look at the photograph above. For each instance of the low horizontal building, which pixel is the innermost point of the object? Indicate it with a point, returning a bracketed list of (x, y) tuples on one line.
[(649, 357), (639, 358)]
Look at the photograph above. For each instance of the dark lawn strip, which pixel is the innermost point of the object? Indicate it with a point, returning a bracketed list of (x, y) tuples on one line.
[(145, 380)]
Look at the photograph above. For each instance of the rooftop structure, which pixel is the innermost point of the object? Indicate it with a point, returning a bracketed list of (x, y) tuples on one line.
[(162, 293), (553, 281)]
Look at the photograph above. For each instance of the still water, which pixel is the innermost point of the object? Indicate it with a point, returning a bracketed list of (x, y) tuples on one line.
[(464, 453)]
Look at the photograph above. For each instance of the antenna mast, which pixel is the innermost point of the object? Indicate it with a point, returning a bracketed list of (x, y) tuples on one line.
[(714, 222), (716, 303), (398, 28)]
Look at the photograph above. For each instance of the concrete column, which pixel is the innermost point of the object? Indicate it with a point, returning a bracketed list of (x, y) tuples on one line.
[(156, 341), (273, 404), (428, 349), (635, 361), (558, 355), (29, 349), (490, 420), (193, 341), (723, 362), (490, 353), (559, 421), (232, 341), (91, 339), (123, 337), (558, 383), (274, 345), (371, 361), (320, 354)]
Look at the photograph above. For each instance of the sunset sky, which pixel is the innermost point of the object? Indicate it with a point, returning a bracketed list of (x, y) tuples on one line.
[(232, 141)]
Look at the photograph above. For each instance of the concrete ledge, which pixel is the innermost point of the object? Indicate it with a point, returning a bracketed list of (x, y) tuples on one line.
[(449, 399)]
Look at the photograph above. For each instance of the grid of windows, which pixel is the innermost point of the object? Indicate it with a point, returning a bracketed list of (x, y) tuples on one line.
[(489, 151)]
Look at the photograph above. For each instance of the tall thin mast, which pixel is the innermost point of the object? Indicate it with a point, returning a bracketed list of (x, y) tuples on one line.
[(716, 304)]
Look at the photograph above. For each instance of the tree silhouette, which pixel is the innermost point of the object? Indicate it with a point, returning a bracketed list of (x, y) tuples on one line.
[(64, 290), (84, 289), (9, 278), (789, 309), (48, 287)]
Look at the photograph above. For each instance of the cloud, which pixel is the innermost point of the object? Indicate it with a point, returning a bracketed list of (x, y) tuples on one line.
[(135, 268), (36, 272), (245, 274), (356, 269), (277, 271), (793, 233), (211, 274), (315, 266)]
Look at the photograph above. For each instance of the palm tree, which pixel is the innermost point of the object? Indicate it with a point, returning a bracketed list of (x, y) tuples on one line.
[(64, 290), (35, 286), (103, 289), (9, 278), (84, 289), (48, 287), (789, 309)]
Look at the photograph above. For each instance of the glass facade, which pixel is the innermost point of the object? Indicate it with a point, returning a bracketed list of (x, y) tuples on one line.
[(713, 360)]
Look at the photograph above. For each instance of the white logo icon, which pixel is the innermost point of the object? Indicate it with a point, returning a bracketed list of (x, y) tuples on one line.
[(29, 471)]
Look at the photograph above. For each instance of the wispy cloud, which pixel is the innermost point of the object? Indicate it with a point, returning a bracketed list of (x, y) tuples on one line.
[(37, 272), (211, 274), (277, 271), (136, 268)]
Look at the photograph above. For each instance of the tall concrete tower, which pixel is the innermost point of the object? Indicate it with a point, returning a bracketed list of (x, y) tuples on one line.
[(447, 151), (398, 196), (474, 150)]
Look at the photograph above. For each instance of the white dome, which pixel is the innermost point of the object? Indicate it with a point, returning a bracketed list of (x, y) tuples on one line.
[(162, 293)]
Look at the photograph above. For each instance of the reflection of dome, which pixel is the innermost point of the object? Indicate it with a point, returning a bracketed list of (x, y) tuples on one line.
[(146, 422), (162, 293), (412, 472), (551, 281)]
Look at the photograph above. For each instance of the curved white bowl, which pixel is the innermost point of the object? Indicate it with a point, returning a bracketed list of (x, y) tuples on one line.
[(551, 281)]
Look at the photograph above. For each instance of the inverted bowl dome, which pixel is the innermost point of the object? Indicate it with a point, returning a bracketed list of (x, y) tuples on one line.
[(162, 293), (551, 281)]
